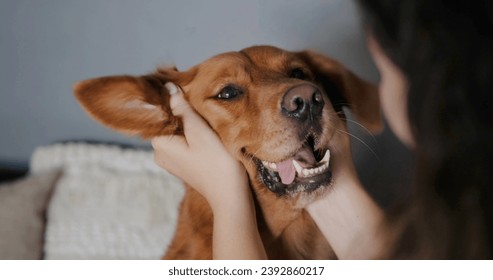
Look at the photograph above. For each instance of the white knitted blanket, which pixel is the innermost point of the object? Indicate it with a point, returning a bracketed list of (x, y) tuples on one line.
[(110, 203)]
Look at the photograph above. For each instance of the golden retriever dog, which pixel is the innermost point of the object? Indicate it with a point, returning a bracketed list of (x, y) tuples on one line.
[(275, 111)]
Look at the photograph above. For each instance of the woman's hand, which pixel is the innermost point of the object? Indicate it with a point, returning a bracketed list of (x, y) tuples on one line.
[(341, 162), (347, 216), (199, 157)]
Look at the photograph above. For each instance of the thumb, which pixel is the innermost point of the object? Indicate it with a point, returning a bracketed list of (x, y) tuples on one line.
[(193, 125), (178, 104)]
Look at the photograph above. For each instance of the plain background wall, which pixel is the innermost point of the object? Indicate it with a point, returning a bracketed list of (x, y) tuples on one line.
[(46, 46)]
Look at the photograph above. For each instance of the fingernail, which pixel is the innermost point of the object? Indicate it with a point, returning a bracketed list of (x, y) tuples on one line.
[(172, 88)]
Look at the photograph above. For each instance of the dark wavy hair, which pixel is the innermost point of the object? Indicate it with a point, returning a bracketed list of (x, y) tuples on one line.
[(445, 49)]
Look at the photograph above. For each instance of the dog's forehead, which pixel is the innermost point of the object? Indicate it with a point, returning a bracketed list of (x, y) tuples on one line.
[(247, 61), (224, 60), (231, 64), (268, 56)]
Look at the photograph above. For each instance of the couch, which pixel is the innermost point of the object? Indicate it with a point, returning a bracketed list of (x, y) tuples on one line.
[(89, 201)]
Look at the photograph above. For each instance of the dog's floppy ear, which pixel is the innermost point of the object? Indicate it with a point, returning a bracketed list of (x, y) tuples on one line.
[(346, 89), (133, 105)]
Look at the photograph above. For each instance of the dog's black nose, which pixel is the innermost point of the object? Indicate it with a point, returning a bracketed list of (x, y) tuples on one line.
[(302, 102)]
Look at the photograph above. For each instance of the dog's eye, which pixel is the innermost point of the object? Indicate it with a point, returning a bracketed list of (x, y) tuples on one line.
[(229, 92), (298, 73)]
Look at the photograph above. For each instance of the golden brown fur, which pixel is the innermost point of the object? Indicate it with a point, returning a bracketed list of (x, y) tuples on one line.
[(251, 127)]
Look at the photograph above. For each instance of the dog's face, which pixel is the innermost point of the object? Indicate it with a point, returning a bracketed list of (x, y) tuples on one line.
[(275, 111)]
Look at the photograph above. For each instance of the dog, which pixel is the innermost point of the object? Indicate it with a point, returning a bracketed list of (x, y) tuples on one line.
[(274, 110)]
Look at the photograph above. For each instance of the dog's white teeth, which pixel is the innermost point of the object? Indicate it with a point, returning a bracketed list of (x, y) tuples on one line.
[(270, 165), (266, 163), (323, 165), (326, 157), (309, 172), (297, 166)]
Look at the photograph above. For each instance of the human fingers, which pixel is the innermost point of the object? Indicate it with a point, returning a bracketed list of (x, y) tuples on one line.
[(195, 128), (179, 106)]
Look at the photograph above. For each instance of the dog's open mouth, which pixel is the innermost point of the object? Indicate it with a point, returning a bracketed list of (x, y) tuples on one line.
[(305, 171)]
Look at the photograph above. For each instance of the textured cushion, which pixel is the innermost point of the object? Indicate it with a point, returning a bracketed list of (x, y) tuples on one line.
[(110, 203), (22, 215)]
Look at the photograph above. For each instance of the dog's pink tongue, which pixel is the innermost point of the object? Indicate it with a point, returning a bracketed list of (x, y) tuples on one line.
[(286, 171)]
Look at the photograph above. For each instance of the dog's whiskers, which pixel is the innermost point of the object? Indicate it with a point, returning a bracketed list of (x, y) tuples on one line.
[(344, 104), (361, 141), (251, 157), (254, 154), (361, 126)]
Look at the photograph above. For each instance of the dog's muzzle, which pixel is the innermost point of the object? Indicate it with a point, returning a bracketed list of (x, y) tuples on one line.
[(305, 171)]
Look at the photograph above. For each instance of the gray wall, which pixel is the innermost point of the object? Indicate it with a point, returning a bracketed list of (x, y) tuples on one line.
[(48, 45)]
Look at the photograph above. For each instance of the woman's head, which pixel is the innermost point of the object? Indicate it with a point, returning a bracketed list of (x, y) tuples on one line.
[(441, 87)]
